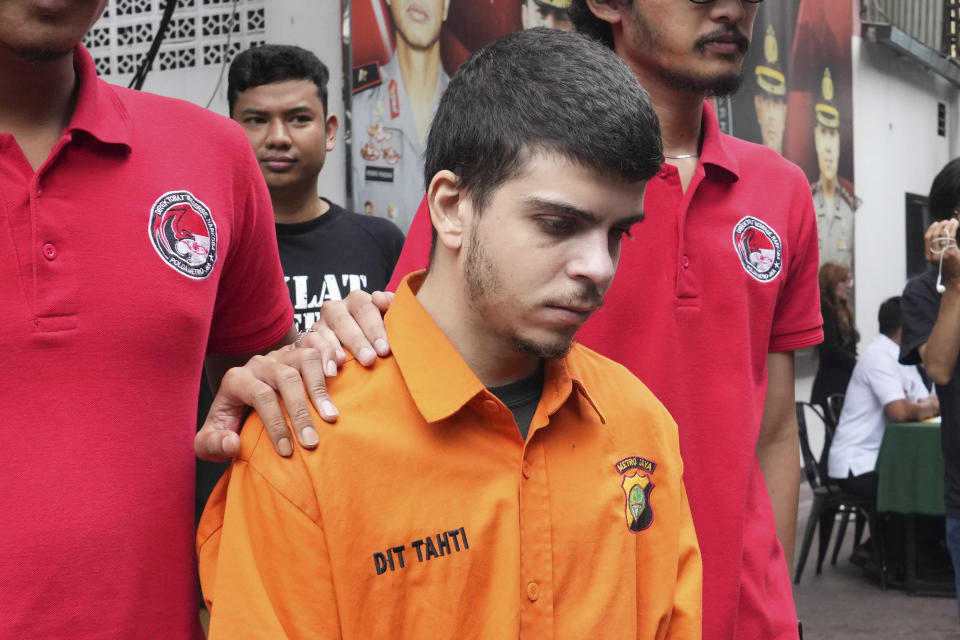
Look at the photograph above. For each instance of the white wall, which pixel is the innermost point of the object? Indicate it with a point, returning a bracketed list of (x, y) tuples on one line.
[(311, 24), (896, 151)]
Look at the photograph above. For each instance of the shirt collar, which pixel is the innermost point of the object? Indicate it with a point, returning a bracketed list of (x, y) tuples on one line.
[(888, 344), (714, 151), (563, 376), (436, 376), (99, 111)]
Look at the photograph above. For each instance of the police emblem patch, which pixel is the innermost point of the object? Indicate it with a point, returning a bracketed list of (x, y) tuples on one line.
[(184, 234), (759, 248), (637, 487)]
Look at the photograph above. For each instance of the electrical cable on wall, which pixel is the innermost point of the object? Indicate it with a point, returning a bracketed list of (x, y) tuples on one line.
[(141, 75), (226, 52)]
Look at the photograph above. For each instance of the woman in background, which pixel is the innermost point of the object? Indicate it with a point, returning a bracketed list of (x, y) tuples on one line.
[(838, 352)]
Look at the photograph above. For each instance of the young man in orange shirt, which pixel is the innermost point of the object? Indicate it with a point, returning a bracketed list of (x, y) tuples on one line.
[(516, 484)]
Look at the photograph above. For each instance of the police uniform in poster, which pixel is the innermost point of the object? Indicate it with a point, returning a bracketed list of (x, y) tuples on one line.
[(834, 223), (387, 150), (834, 214)]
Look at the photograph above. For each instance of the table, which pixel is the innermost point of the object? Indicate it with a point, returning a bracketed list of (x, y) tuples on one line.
[(910, 470), (910, 466)]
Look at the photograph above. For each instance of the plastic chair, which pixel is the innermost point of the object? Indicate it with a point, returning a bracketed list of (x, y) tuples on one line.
[(828, 500), (833, 410)]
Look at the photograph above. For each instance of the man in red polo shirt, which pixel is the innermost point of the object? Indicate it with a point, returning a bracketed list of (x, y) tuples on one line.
[(135, 234), (716, 290)]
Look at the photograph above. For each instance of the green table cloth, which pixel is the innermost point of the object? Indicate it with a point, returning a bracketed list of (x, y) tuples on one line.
[(910, 466)]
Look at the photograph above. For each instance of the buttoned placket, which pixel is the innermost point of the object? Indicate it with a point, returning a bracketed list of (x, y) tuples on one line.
[(536, 541), (536, 551), (674, 198), (47, 272), (55, 287)]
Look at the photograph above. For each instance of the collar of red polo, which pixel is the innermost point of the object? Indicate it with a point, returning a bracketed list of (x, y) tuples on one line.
[(99, 111)]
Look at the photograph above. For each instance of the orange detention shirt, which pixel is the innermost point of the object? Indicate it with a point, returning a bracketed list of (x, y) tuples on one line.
[(422, 514)]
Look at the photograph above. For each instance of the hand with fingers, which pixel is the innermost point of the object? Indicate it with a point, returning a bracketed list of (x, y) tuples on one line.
[(941, 250), (277, 385), (355, 323)]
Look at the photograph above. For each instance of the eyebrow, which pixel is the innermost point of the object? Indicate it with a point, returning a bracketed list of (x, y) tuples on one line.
[(250, 111), (570, 210)]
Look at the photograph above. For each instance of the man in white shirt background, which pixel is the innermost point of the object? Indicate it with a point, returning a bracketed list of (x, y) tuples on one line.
[(881, 390)]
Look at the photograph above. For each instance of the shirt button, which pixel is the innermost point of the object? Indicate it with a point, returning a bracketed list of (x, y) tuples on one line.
[(686, 262), (49, 251), (490, 406), (525, 468), (533, 591)]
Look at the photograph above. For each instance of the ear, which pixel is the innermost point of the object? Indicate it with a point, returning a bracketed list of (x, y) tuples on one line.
[(446, 9), (448, 203), (606, 10), (332, 126)]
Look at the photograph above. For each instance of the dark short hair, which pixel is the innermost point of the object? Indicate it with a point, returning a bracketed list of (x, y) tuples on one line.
[(945, 191), (890, 317), (585, 22), (275, 63), (542, 90)]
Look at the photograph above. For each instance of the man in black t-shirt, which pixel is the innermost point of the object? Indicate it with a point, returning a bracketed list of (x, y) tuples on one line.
[(278, 93), (931, 334)]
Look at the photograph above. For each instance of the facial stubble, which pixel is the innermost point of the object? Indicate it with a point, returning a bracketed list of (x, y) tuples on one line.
[(649, 39), (483, 281)]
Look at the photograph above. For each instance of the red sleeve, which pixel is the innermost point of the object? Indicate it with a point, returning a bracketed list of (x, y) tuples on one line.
[(253, 309), (416, 248), (797, 323)]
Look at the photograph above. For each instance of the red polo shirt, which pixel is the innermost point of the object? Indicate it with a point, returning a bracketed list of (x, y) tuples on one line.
[(713, 280), (138, 246)]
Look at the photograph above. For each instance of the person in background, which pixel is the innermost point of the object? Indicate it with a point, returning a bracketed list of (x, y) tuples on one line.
[(278, 94), (838, 351), (931, 335), (880, 390), (491, 479)]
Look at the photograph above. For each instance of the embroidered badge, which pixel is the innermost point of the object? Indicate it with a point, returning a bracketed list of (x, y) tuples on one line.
[(184, 234), (759, 248), (637, 486)]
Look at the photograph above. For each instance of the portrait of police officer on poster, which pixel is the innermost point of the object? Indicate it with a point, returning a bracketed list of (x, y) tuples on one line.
[(832, 201), (404, 52)]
